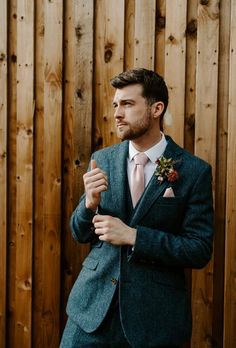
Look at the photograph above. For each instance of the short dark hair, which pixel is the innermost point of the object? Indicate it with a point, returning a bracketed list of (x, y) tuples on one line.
[(154, 86)]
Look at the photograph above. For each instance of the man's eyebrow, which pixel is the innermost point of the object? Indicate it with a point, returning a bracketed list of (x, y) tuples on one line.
[(123, 101)]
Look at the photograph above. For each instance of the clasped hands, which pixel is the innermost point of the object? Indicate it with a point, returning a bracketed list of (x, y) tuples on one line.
[(109, 229)]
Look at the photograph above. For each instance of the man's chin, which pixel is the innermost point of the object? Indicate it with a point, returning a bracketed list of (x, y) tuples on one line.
[(121, 135), (126, 135)]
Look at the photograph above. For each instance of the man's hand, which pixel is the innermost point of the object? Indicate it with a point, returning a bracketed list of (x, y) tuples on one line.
[(95, 182), (113, 230)]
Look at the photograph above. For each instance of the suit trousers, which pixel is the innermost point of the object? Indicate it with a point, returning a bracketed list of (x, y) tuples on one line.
[(110, 333)]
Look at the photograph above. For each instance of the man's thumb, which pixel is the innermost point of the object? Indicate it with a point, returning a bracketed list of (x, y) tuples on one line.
[(93, 164)]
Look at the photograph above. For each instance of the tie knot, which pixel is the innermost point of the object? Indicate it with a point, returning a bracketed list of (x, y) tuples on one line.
[(141, 158)]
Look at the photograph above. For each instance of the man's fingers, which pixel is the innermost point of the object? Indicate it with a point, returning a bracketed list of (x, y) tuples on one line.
[(93, 164), (101, 218)]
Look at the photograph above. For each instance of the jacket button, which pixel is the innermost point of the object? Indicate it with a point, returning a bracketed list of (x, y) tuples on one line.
[(114, 281)]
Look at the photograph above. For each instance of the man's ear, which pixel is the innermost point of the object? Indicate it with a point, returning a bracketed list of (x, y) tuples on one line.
[(157, 108)]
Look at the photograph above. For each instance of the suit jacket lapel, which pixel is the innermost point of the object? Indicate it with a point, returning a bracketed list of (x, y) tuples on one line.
[(118, 176), (154, 188)]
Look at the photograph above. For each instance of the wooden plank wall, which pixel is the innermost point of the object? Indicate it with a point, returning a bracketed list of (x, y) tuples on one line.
[(56, 60), (3, 168)]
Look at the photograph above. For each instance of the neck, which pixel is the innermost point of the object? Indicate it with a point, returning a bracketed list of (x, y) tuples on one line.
[(146, 142)]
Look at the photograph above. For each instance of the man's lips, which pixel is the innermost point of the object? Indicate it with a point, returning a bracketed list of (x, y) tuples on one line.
[(119, 125)]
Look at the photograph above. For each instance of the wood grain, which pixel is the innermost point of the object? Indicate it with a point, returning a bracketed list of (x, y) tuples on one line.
[(52, 172), (11, 172), (175, 58), (230, 250), (190, 85), (160, 37), (24, 176), (38, 185), (3, 169), (221, 173), (109, 61), (144, 34), (205, 147), (129, 34), (77, 127)]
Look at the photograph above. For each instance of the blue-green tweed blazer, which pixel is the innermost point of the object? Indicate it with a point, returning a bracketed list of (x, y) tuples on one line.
[(172, 234)]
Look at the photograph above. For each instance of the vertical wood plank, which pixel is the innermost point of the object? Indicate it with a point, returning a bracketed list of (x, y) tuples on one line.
[(230, 251), (83, 70), (11, 172), (175, 56), (207, 71), (3, 169), (190, 87), (160, 37), (24, 167), (205, 147), (129, 34), (70, 252), (109, 61), (39, 224), (221, 173), (77, 126), (52, 171), (190, 93), (144, 49)]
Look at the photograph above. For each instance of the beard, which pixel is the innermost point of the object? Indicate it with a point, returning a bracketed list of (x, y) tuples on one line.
[(137, 129)]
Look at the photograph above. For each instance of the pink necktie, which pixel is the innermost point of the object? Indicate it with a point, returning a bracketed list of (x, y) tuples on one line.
[(137, 177)]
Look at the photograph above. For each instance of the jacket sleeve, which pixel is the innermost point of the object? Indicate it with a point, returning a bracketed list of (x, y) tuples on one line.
[(81, 223), (191, 247)]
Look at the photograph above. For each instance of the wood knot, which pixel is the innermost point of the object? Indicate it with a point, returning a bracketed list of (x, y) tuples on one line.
[(29, 132), (160, 23), (204, 2), (78, 31), (4, 155), (192, 28), (107, 55), (79, 93), (2, 57), (190, 121), (77, 162), (13, 58), (172, 39)]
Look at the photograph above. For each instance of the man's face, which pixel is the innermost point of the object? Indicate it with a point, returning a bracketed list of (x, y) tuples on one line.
[(132, 114)]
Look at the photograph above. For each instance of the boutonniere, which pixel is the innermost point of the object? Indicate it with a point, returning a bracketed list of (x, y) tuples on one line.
[(165, 170)]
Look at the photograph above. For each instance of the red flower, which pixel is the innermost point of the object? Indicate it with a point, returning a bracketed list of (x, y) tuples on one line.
[(173, 176)]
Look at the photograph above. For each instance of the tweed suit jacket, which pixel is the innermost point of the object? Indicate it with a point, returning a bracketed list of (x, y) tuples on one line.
[(173, 234)]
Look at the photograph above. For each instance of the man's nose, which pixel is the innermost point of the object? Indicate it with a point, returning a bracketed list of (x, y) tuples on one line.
[(118, 112)]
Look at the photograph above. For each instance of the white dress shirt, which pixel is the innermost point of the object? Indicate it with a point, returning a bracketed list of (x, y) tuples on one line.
[(153, 154)]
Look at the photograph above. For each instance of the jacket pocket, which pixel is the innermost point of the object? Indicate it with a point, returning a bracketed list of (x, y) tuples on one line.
[(170, 201), (90, 263)]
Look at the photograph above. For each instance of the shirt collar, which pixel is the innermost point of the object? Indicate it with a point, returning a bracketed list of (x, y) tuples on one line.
[(153, 153)]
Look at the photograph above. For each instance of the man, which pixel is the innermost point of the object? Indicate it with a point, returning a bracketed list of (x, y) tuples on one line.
[(131, 291)]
